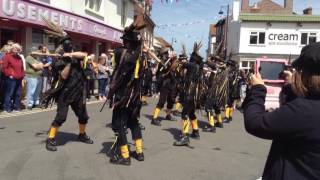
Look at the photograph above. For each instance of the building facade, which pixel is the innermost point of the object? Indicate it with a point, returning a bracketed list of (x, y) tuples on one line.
[(94, 25), (212, 40), (281, 36), (142, 7)]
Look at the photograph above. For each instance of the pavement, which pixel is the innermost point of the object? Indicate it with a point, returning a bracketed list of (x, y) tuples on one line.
[(229, 154)]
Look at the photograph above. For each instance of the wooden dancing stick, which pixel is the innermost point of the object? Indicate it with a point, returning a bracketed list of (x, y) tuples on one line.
[(146, 49)]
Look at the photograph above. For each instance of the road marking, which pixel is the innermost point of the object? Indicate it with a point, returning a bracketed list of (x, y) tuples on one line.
[(34, 111)]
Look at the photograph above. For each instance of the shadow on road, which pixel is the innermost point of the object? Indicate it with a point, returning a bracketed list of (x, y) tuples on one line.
[(106, 149), (174, 132), (148, 116), (62, 137)]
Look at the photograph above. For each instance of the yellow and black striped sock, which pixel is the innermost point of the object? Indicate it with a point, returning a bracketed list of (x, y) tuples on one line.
[(82, 128), (124, 151), (219, 116), (194, 124), (178, 106), (227, 112), (156, 113), (52, 132), (211, 119), (138, 144), (185, 126)]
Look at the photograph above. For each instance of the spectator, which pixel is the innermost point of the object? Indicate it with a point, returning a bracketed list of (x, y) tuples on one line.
[(89, 71), (14, 73), (4, 50), (294, 128), (103, 75), (34, 69), (46, 75)]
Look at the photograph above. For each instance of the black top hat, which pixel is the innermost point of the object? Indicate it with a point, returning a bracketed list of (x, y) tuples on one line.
[(64, 39), (131, 36), (309, 58), (196, 58)]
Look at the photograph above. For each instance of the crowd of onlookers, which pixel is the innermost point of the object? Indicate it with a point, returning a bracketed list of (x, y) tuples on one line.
[(23, 80)]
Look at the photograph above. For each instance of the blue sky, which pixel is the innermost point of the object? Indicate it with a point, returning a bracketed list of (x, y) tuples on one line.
[(201, 13)]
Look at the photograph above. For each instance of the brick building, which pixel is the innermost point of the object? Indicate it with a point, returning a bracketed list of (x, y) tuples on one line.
[(267, 7)]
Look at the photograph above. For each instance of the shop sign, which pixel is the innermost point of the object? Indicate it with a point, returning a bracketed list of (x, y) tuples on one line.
[(32, 13), (288, 39)]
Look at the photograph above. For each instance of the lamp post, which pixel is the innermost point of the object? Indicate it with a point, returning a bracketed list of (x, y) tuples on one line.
[(227, 26)]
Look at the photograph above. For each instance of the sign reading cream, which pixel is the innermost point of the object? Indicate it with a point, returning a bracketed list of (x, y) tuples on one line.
[(283, 39), (32, 13)]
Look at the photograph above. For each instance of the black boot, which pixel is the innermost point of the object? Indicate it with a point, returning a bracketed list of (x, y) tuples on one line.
[(226, 120), (138, 156), (183, 141), (219, 125), (51, 144), (156, 122), (195, 134), (209, 128), (230, 119), (85, 139), (121, 161)]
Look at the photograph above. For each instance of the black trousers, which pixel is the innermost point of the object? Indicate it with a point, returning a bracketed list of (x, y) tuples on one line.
[(210, 105), (78, 107), (188, 110), (122, 119), (166, 95)]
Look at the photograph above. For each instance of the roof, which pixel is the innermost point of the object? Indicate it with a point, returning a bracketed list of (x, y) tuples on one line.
[(279, 18), (160, 42)]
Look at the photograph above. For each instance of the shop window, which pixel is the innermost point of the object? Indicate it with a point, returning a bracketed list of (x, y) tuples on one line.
[(37, 37), (308, 38), (247, 65), (257, 38), (93, 5)]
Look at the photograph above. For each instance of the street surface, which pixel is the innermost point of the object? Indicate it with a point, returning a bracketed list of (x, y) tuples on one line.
[(229, 154)]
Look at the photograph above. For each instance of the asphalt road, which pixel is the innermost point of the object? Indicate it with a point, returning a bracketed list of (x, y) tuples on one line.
[(229, 154)]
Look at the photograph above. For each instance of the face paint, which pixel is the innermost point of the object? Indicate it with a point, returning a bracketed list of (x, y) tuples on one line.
[(67, 46)]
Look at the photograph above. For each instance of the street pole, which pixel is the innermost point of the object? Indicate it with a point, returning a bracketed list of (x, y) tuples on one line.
[(227, 28)]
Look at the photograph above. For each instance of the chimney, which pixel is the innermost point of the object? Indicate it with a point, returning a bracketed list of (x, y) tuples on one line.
[(236, 10), (245, 8), (307, 11), (288, 5)]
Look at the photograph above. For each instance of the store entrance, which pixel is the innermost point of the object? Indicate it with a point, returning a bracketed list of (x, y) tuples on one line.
[(6, 35)]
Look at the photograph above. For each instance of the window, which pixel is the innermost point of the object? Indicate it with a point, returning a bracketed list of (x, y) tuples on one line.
[(93, 5), (308, 38), (247, 65), (257, 37)]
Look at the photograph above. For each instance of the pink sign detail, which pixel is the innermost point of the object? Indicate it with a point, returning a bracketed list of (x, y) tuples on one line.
[(32, 13)]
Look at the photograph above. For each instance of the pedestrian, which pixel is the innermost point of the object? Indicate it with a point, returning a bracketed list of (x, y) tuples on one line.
[(125, 90), (294, 128), (190, 99), (4, 50), (13, 71), (103, 75), (46, 74), (69, 89), (167, 85), (89, 70), (34, 69)]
